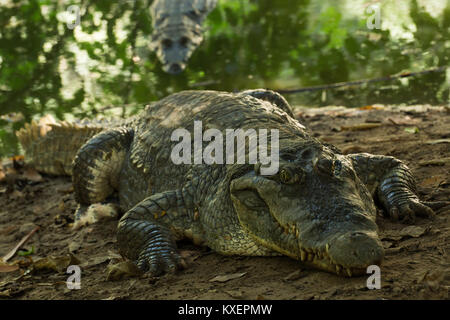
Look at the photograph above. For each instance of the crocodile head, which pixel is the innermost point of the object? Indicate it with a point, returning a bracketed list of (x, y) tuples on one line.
[(174, 42), (315, 209)]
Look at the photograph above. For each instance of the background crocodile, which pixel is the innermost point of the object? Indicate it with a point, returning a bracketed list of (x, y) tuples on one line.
[(177, 30), (319, 208)]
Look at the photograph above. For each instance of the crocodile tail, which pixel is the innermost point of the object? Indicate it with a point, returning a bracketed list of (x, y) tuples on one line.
[(51, 146)]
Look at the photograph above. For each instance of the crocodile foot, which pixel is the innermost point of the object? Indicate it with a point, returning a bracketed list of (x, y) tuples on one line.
[(408, 211), (160, 260)]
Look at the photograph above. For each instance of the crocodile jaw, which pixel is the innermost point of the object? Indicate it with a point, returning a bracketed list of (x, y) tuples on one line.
[(348, 250)]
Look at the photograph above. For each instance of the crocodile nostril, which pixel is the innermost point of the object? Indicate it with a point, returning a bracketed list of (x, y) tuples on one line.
[(325, 165), (175, 68)]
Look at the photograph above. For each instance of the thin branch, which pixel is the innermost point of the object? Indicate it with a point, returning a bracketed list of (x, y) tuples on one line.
[(360, 82)]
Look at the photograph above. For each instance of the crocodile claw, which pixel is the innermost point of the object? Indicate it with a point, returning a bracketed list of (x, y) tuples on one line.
[(157, 261), (408, 211)]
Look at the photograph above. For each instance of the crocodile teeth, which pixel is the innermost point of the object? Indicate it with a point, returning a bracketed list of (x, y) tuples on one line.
[(327, 247), (303, 255), (349, 272), (310, 257), (338, 269)]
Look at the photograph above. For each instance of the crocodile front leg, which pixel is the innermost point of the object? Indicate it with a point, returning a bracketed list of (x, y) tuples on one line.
[(272, 97), (392, 182), (144, 235), (97, 166)]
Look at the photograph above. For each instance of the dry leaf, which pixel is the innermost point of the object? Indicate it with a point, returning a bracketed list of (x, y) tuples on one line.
[(236, 294), (391, 235), (58, 264), (95, 261), (227, 277), (433, 141), (386, 244), (436, 162), (412, 231), (189, 256), (432, 181), (16, 194), (5, 267), (403, 120), (121, 270), (74, 246), (32, 175), (293, 276), (361, 126)]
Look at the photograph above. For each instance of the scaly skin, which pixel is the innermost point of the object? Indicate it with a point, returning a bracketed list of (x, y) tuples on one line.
[(318, 208), (177, 30)]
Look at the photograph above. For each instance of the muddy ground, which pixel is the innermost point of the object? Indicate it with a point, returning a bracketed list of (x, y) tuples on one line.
[(416, 265)]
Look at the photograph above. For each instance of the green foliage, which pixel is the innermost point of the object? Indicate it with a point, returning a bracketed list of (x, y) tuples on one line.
[(46, 67)]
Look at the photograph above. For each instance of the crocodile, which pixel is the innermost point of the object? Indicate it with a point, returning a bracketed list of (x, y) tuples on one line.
[(318, 208), (177, 30)]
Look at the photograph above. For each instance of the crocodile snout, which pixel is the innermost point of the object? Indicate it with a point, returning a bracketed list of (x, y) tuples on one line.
[(357, 250)]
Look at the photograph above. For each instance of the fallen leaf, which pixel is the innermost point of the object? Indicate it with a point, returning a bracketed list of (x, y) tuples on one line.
[(236, 294), (112, 255), (16, 194), (58, 264), (412, 130), (391, 236), (95, 261), (386, 244), (412, 231), (403, 120), (432, 181), (297, 274), (32, 175), (361, 126), (189, 256), (66, 189), (433, 141), (352, 149), (74, 246), (435, 162), (227, 277), (5, 267), (118, 297), (121, 270)]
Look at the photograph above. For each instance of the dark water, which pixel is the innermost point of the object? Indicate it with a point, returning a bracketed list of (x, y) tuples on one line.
[(45, 67)]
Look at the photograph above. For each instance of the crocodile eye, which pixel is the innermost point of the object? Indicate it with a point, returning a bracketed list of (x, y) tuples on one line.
[(166, 43), (184, 41), (288, 176), (285, 176)]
